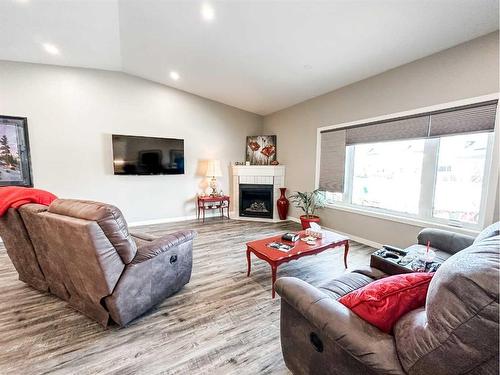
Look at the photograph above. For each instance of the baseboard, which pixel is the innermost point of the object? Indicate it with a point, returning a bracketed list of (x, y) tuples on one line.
[(361, 240)]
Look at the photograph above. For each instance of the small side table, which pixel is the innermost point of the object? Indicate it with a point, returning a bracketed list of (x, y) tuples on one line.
[(212, 203)]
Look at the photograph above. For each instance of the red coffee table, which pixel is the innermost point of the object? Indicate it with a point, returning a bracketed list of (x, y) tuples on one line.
[(276, 257)]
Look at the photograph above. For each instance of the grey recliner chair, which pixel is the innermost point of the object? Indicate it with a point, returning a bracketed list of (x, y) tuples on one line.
[(87, 256), (457, 332)]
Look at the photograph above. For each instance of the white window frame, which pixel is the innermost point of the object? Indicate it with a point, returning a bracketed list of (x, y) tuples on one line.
[(490, 180)]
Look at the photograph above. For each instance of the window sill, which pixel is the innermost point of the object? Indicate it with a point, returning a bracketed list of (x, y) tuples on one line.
[(402, 219)]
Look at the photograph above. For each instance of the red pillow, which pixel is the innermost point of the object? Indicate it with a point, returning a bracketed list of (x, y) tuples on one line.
[(384, 301)]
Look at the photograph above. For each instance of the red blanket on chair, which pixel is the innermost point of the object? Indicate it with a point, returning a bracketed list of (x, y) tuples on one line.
[(16, 196)]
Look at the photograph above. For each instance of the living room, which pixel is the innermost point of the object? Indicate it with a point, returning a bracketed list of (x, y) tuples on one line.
[(154, 154)]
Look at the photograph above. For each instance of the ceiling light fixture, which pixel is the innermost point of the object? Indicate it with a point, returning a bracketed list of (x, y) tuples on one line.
[(175, 76), (50, 48), (207, 12)]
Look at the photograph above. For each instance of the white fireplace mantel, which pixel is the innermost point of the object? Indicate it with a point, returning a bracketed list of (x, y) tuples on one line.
[(257, 175)]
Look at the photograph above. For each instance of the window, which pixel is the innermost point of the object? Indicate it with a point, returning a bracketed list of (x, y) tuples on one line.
[(460, 177), (379, 179), (433, 167)]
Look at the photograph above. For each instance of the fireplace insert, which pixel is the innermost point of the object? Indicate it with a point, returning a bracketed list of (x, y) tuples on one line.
[(256, 201)]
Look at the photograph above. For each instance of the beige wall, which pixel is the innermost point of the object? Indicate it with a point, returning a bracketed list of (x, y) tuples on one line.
[(467, 70), (73, 112)]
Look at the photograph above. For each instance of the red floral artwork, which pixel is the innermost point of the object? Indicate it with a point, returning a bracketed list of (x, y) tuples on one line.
[(261, 149), (268, 151), (254, 146)]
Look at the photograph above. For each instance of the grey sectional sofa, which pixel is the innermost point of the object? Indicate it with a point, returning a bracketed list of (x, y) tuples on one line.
[(457, 332), (83, 252)]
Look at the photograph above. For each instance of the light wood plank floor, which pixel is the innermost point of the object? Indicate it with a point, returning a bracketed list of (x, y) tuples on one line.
[(220, 323)]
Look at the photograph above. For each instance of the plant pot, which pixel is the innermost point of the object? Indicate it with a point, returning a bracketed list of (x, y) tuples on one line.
[(283, 204), (306, 220)]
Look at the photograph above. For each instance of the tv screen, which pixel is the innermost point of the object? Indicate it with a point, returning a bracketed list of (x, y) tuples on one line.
[(147, 155)]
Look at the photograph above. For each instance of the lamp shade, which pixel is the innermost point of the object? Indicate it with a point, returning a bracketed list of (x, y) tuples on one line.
[(213, 168)]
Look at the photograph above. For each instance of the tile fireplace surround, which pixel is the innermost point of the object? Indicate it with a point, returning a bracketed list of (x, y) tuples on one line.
[(257, 175)]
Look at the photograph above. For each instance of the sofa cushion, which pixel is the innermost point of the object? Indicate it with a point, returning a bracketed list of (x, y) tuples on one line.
[(490, 231), (384, 301), (344, 284), (459, 329), (108, 217)]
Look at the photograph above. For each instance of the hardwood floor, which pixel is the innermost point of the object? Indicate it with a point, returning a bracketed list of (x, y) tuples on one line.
[(220, 323)]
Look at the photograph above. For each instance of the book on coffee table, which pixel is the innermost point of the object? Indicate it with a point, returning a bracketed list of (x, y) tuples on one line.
[(291, 237), (280, 246)]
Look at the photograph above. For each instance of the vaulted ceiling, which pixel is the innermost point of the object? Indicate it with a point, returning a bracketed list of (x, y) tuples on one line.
[(257, 55)]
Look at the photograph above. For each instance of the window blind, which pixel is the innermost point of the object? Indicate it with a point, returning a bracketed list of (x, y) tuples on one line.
[(410, 128), (332, 162), (467, 119)]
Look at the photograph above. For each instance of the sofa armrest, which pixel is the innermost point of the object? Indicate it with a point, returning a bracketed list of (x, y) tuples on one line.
[(143, 236), (366, 343), (444, 240), (162, 244), (160, 268)]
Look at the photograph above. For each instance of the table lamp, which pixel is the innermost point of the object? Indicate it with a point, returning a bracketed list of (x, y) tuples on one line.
[(213, 170)]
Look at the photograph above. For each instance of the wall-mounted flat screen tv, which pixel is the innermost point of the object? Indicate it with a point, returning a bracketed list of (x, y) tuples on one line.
[(147, 155)]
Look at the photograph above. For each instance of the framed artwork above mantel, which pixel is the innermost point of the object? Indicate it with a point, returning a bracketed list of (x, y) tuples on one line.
[(15, 160), (261, 149)]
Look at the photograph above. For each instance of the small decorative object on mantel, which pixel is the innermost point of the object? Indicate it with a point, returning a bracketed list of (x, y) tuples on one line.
[(283, 204), (15, 163), (275, 162), (309, 202), (261, 149)]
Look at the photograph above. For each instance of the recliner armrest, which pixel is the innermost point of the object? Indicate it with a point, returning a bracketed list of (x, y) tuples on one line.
[(445, 240), (162, 244), (143, 236), (370, 346)]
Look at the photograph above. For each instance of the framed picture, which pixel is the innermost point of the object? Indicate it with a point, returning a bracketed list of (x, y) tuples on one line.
[(15, 162), (261, 149)]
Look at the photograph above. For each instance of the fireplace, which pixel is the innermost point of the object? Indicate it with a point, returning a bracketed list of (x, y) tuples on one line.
[(256, 184), (256, 200)]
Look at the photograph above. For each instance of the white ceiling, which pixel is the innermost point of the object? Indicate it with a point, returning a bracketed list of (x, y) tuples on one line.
[(257, 55)]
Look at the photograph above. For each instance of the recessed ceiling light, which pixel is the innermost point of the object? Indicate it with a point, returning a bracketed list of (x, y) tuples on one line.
[(207, 12), (50, 48), (175, 76)]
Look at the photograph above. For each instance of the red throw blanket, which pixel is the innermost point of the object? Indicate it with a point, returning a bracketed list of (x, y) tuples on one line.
[(16, 196)]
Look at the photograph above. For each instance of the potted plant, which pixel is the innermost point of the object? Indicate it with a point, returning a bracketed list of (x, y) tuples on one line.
[(309, 202)]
